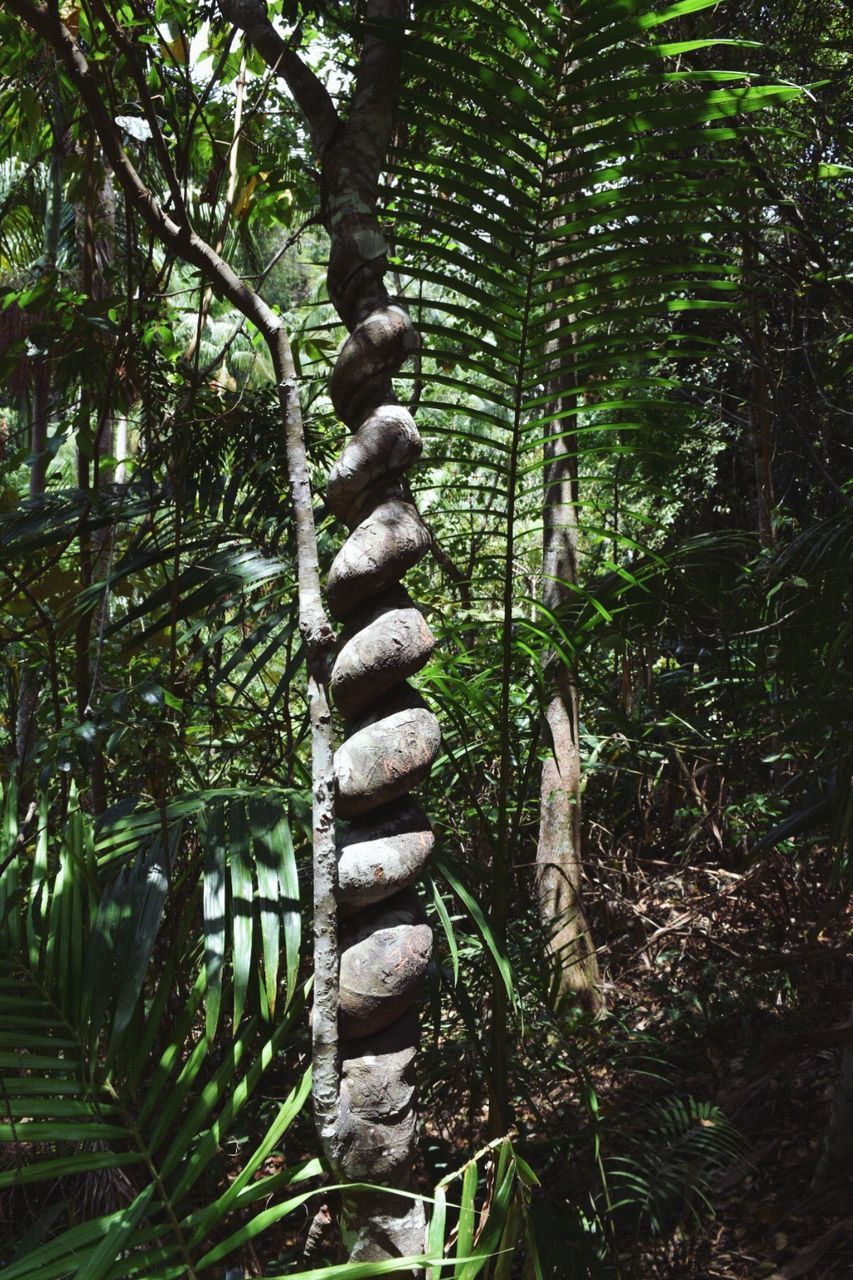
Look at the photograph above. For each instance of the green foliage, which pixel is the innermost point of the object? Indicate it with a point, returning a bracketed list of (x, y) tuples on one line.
[(107, 1067), (666, 1173), (559, 206), (574, 196)]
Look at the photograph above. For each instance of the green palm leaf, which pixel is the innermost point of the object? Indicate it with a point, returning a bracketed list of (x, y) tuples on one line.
[(559, 208), (73, 1058)]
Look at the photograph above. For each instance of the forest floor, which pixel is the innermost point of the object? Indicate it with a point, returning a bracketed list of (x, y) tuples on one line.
[(729, 989), (736, 989)]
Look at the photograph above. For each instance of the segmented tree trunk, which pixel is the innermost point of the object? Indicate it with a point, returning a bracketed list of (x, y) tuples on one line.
[(383, 941), (368, 974), (372, 943), (393, 738)]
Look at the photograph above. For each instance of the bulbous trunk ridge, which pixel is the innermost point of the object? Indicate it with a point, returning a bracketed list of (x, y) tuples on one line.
[(392, 741)]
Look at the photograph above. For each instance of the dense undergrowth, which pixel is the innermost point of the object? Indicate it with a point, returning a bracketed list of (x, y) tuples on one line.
[(155, 865)]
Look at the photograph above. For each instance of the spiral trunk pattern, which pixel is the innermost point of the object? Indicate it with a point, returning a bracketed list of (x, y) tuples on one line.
[(392, 740)]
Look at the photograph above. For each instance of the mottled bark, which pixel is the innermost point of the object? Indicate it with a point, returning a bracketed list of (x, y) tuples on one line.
[(392, 643), (390, 540), (385, 852), (393, 740), (377, 1132), (558, 853), (386, 445)]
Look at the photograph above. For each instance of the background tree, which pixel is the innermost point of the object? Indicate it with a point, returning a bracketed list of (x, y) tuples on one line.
[(604, 258)]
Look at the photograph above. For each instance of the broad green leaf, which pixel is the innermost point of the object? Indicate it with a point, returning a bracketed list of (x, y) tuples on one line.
[(212, 830), (475, 911), (242, 905)]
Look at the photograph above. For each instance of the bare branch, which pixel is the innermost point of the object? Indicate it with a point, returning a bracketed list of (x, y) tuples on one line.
[(309, 92)]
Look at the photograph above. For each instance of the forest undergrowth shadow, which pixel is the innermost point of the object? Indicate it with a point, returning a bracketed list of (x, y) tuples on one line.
[(677, 1135)]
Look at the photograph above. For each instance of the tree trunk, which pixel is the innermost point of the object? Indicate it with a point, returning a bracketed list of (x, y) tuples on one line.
[(192, 350), (393, 737), (368, 1124), (836, 1156), (95, 226), (558, 852), (385, 943), (28, 691), (759, 403), (120, 444)]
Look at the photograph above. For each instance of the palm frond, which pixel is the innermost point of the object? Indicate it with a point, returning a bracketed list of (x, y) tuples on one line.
[(559, 206), (677, 1148), (558, 227), (83, 1025)]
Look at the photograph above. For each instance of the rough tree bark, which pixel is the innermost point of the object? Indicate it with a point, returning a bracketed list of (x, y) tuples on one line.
[(364, 1095), (393, 738), (558, 852)]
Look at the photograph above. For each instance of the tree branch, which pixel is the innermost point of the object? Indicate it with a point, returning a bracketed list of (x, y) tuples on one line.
[(371, 116), (130, 52), (315, 627), (309, 92)]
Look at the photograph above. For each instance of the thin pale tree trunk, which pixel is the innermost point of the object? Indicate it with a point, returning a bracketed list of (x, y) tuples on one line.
[(26, 724), (559, 870), (364, 1029), (95, 242)]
